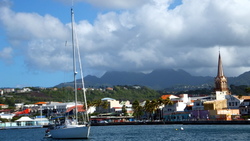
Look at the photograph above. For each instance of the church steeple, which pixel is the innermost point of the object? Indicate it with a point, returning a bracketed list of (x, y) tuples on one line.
[(220, 68), (220, 79)]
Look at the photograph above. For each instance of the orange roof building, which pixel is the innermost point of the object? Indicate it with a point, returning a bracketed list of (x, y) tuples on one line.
[(169, 96), (79, 108), (40, 103)]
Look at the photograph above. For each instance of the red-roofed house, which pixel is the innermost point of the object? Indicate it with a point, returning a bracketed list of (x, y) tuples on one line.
[(4, 106), (41, 103), (79, 108), (169, 96), (109, 89)]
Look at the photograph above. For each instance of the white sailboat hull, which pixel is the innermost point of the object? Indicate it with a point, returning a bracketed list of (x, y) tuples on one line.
[(71, 132)]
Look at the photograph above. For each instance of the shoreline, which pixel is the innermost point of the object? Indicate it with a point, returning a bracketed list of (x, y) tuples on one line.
[(174, 122)]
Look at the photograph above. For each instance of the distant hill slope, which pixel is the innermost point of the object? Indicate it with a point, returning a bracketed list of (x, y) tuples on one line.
[(157, 79)]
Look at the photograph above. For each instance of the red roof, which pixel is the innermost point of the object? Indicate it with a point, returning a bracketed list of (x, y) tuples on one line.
[(79, 108), (26, 111), (41, 103), (109, 88), (165, 96)]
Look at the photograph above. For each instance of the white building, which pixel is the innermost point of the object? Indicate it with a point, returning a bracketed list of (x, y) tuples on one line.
[(23, 90), (56, 107), (1, 92), (179, 105), (7, 116), (233, 102), (245, 107)]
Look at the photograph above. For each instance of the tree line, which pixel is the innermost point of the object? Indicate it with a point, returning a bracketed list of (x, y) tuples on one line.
[(121, 93)]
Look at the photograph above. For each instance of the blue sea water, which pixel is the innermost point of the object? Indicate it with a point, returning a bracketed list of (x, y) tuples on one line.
[(143, 133)]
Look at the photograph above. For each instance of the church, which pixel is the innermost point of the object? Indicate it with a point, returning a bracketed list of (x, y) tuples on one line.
[(225, 105)]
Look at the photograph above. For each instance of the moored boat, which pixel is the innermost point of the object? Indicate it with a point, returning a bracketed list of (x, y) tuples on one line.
[(71, 127)]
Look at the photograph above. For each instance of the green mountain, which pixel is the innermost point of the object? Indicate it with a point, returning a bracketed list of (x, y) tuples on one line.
[(158, 79)]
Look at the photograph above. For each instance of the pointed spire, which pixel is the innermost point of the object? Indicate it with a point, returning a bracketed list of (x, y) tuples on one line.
[(220, 79), (220, 67)]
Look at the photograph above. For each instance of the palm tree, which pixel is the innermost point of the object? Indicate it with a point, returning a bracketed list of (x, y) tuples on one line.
[(166, 101), (105, 105), (137, 109), (124, 110), (154, 105), (159, 112), (97, 104), (149, 108)]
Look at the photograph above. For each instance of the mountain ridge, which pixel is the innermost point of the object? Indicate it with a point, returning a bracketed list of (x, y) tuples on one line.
[(158, 79)]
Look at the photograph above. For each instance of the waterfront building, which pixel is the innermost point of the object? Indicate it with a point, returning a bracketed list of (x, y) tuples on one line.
[(245, 107), (225, 105), (225, 114), (115, 106), (178, 106), (177, 116), (233, 102), (199, 115), (215, 105), (110, 104), (177, 111), (198, 104), (56, 108)]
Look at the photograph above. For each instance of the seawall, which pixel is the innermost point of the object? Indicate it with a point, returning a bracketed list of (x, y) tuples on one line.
[(245, 122)]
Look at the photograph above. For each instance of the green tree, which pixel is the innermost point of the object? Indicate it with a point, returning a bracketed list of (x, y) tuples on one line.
[(137, 109), (148, 107), (105, 105), (124, 110), (247, 90), (166, 101), (10, 101)]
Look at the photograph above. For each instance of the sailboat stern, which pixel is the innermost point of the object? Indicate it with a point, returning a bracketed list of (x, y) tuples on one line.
[(76, 132)]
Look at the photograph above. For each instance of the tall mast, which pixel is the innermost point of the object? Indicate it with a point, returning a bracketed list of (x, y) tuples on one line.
[(74, 61)]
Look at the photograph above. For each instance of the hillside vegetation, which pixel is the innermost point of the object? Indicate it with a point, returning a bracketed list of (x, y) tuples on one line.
[(121, 93), (67, 95)]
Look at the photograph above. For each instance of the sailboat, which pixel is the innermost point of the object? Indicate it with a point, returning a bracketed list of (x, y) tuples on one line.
[(71, 129)]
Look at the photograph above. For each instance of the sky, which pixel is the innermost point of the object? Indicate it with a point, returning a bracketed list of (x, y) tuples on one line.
[(121, 35)]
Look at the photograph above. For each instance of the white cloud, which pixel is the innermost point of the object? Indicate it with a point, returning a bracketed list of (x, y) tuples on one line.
[(6, 54), (145, 35), (39, 38), (32, 25)]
